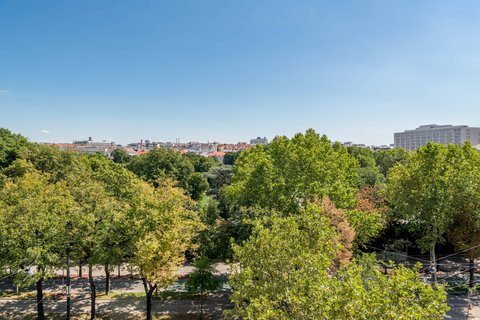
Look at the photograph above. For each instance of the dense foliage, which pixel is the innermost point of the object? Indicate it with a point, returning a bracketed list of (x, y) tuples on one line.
[(294, 216), (287, 174), (277, 278)]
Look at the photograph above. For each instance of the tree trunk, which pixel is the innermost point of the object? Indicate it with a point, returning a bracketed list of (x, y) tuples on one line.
[(93, 292), (80, 269), (433, 263), (40, 311), (149, 289), (107, 280), (472, 273), (119, 269), (69, 287), (201, 305)]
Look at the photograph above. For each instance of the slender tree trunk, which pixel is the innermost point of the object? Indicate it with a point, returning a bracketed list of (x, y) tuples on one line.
[(40, 311), (149, 289), (119, 269), (93, 292), (201, 304), (107, 279), (80, 269), (433, 263), (69, 287), (472, 273)]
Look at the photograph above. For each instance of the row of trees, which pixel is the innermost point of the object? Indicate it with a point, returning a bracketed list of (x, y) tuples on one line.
[(55, 205)]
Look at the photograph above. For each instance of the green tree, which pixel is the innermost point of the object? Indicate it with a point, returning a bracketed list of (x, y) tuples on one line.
[(34, 215), (11, 145), (231, 157), (386, 159), (99, 235), (464, 232), (288, 174), (164, 227), (160, 164), (218, 177), (369, 217), (202, 279), (119, 155), (419, 190), (277, 278), (201, 163), (368, 171)]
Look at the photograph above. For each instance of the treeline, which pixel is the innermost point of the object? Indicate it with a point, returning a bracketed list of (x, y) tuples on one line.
[(57, 204), (295, 217)]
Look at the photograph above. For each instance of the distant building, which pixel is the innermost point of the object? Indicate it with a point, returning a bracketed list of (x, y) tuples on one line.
[(263, 141), (444, 134), (90, 142), (217, 154)]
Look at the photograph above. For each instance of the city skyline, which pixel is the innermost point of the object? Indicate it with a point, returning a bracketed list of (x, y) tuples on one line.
[(232, 71)]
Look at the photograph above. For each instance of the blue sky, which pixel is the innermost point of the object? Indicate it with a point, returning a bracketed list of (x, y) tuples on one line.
[(233, 70)]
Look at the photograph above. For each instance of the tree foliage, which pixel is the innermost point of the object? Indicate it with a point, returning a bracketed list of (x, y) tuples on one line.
[(160, 164), (277, 278), (368, 171), (11, 145), (120, 155), (202, 279), (201, 163), (164, 226), (386, 159), (420, 190), (288, 174), (231, 157)]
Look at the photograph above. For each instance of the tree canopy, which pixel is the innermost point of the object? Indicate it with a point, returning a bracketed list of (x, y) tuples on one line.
[(277, 278), (288, 174), (160, 164)]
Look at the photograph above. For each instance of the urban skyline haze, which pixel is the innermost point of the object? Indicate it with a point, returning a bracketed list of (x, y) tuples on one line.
[(233, 70)]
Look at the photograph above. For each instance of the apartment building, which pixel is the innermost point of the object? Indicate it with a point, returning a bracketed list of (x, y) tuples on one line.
[(444, 134)]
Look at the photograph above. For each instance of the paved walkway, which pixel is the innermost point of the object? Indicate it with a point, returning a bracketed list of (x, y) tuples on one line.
[(459, 305)]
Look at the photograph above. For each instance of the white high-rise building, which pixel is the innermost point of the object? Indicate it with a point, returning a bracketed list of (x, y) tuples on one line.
[(444, 134)]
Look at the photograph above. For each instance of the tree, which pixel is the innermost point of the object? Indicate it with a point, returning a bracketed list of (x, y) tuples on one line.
[(464, 232), (201, 163), (277, 278), (419, 190), (288, 174), (231, 157), (11, 145), (197, 185), (386, 159), (164, 226), (161, 164), (99, 234), (218, 177), (368, 171), (369, 217), (119, 155), (202, 278), (34, 215)]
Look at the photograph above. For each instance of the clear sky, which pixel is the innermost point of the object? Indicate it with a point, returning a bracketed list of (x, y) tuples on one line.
[(231, 70)]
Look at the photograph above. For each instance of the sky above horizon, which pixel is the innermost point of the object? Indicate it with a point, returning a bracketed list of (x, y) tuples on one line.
[(230, 71)]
